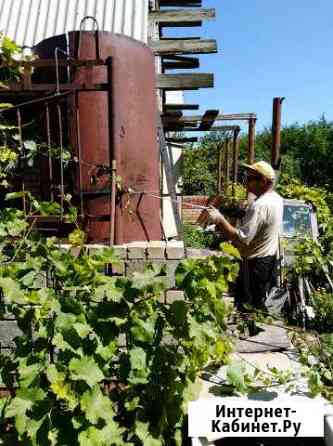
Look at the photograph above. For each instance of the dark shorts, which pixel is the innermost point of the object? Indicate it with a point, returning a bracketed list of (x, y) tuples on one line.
[(255, 280)]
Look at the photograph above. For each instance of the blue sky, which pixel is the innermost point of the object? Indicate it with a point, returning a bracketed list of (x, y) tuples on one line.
[(267, 49)]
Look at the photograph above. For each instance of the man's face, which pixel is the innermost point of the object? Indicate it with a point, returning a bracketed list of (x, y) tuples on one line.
[(256, 183)]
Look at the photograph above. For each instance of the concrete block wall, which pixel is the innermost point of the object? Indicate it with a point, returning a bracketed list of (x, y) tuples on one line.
[(136, 256)]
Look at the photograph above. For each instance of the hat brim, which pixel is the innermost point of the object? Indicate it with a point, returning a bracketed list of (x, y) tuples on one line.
[(249, 167), (252, 169)]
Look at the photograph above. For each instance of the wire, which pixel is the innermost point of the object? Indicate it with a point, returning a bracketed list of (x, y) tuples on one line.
[(155, 195)]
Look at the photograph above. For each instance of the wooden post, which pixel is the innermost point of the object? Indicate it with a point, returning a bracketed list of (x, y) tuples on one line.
[(219, 172), (276, 132), (227, 163), (235, 152), (252, 141)]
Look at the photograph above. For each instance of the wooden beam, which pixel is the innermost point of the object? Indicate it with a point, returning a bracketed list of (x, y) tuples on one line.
[(181, 17), (176, 114), (180, 128), (172, 107), (187, 120), (237, 117), (186, 46), (184, 81), (208, 120), (180, 62), (181, 3), (182, 140)]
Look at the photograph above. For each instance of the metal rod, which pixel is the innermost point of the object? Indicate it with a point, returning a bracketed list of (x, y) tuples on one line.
[(48, 130), (79, 152), (19, 125), (35, 101), (276, 132), (113, 203), (61, 161), (112, 159), (88, 17), (252, 141)]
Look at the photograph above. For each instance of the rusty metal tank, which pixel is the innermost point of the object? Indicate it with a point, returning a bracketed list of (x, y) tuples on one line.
[(118, 124)]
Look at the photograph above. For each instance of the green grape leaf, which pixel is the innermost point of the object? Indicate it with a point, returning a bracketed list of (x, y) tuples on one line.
[(236, 376), (107, 352), (109, 435), (132, 404), (85, 369), (229, 249), (12, 291), (60, 388), (77, 237), (97, 406), (28, 373), (139, 371), (82, 330), (143, 330), (142, 431)]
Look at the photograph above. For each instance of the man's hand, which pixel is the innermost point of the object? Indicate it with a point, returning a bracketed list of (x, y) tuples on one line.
[(214, 216)]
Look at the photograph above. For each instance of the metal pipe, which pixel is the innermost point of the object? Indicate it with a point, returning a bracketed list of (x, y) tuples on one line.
[(252, 141), (113, 203), (48, 130), (276, 132), (22, 150), (61, 142), (79, 151), (112, 161)]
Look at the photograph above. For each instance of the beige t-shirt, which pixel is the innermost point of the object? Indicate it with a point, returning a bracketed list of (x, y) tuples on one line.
[(261, 226)]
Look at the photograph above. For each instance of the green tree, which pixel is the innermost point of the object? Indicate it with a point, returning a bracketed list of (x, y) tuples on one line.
[(306, 150)]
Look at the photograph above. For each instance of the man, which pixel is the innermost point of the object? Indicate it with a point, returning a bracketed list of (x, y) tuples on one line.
[(257, 237)]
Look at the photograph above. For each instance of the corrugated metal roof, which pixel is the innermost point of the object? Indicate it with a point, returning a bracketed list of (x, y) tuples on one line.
[(31, 21)]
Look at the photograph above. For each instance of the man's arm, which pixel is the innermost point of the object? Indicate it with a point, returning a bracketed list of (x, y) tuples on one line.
[(243, 235), (222, 225)]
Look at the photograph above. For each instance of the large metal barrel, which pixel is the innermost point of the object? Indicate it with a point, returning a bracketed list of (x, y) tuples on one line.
[(118, 124)]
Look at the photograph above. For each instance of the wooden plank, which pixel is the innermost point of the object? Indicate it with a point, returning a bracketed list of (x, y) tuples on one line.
[(181, 17), (175, 114), (187, 120), (170, 178), (186, 46), (180, 62), (181, 3), (180, 128), (171, 107), (184, 81), (180, 38), (182, 140), (208, 120)]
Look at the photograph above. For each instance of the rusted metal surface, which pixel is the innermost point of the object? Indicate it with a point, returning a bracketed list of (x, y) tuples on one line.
[(252, 141), (276, 132), (117, 125), (132, 142)]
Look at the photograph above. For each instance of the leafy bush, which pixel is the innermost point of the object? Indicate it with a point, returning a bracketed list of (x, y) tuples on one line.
[(323, 307), (196, 238), (101, 359)]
